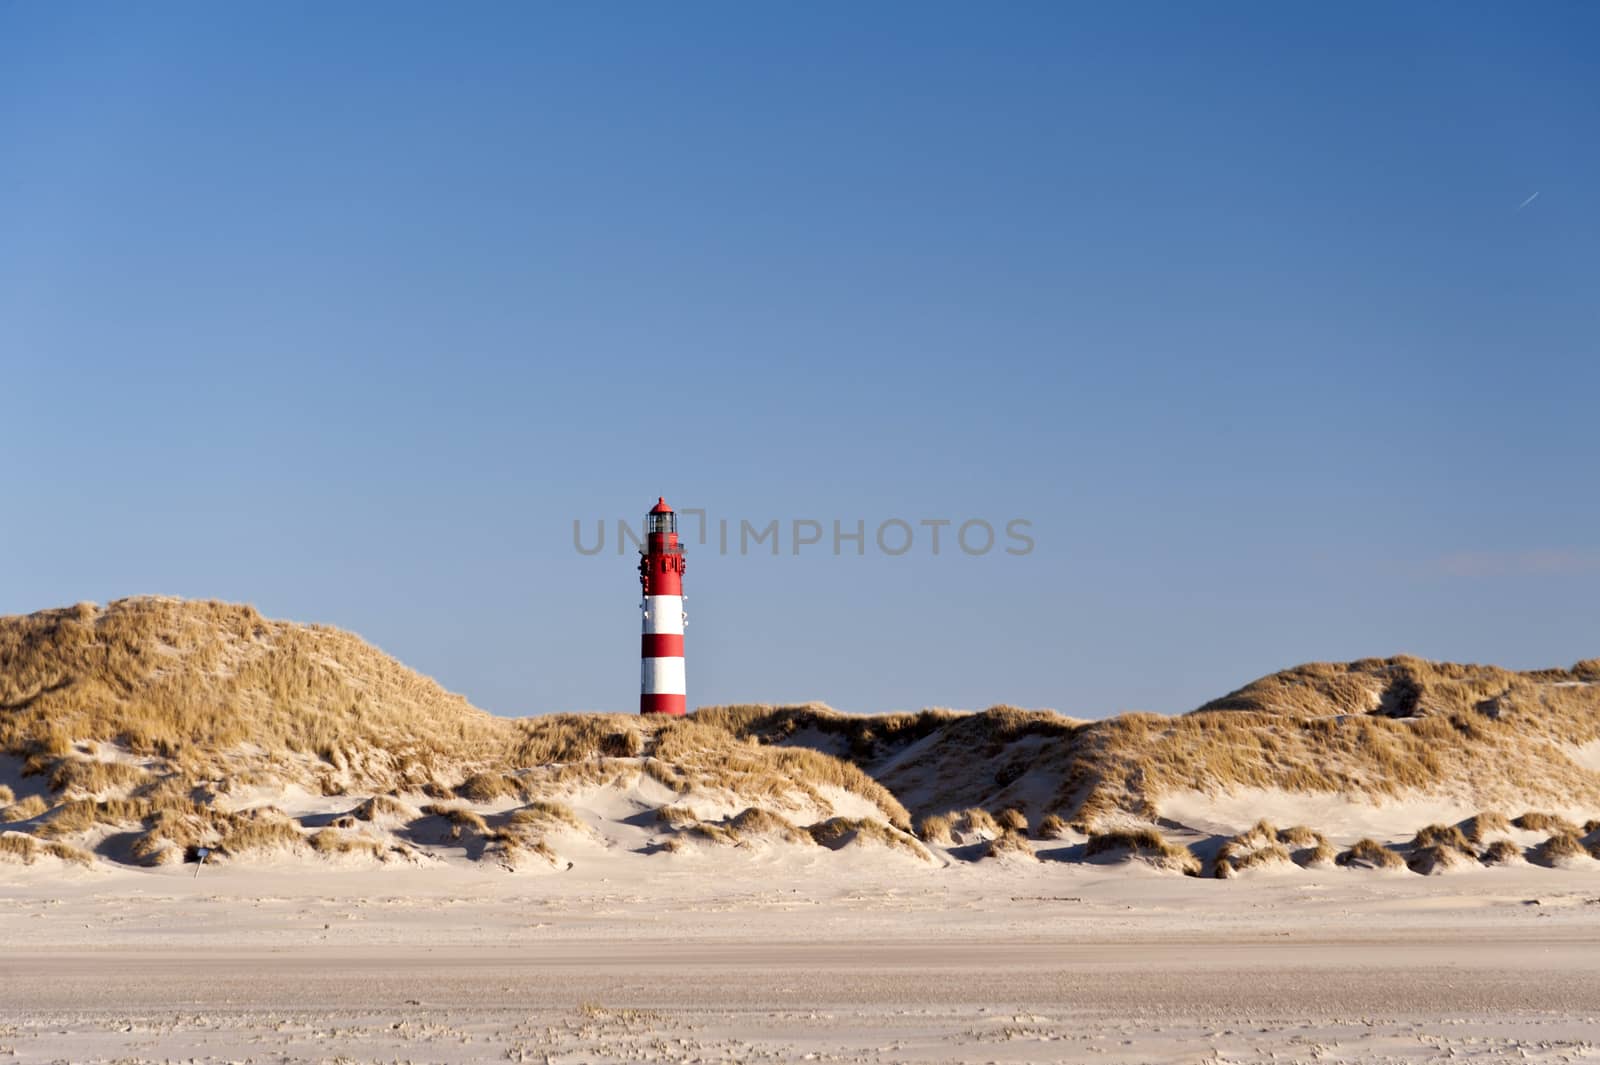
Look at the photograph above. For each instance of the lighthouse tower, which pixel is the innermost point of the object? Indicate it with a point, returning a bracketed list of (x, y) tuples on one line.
[(662, 688)]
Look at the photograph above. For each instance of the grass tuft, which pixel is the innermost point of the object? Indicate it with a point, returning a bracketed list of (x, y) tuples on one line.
[(331, 842), (1370, 854), (459, 817), (1535, 821), (1012, 820), (83, 776), (936, 828), (1146, 843), (24, 810), (487, 787), (1435, 858), (839, 832), (1012, 844), (1559, 849), (1480, 826), (1301, 836), (1501, 852), (1051, 826), (385, 809), (17, 847), (1448, 836), (547, 814)]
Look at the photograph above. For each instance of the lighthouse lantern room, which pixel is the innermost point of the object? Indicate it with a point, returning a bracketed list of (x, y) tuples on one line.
[(662, 689)]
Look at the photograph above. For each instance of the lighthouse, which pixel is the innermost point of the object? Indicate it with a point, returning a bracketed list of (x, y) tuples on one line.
[(661, 689)]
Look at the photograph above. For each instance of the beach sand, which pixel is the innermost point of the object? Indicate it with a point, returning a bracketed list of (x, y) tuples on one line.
[(779, 957)]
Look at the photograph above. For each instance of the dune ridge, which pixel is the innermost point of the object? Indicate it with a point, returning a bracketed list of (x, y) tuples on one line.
[(141, 732)]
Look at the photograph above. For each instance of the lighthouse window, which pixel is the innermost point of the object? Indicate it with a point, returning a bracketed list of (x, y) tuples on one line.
[(662, 523)]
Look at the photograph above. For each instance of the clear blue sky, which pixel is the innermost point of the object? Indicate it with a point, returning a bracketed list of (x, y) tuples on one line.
[(350, 313)]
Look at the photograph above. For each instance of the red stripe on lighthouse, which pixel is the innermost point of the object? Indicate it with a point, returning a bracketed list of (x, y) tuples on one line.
[(662, 645), (677, 705)]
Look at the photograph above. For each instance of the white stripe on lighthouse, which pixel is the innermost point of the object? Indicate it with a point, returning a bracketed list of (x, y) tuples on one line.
[(663, 615), (663, 676)]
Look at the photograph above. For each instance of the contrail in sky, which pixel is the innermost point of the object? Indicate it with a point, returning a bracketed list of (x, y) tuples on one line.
[(1525, 203)]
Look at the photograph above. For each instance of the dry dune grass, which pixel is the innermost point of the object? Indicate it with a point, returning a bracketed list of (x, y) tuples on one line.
[(1238, 743), (990, 759), (1127, 840), (1317, 856), (547, 814), (563, 738), (461, 819), (1440, 848), (975, 824), (1145, 843), (1370, 854), (1480, 826), (1375, 728), (1394, 687), (1259, 834), (17, 847), (78, 815), (1559, 849), (1259, 846), (1501, 852), (676, 816), (171, 677), (85, 776), (715, 832), (839, 832), (1449, 836), (1051, 826), (386, 809), (173, 832), (1438, 858), (1011, 844), (863, 736), (1535, 821), (936, 828), (563, 780), (333, 842), (1301, 836), (707, 758), (483, 787), (514, 853), (173, 825), (521, 841), (1231, 862), (25, 810), (756, 823), (744, 829)]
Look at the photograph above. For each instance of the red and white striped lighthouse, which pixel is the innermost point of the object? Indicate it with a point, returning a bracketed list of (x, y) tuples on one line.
[(662, 688)]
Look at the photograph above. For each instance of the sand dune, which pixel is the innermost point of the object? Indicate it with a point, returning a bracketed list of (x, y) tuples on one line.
[(145, 732)]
